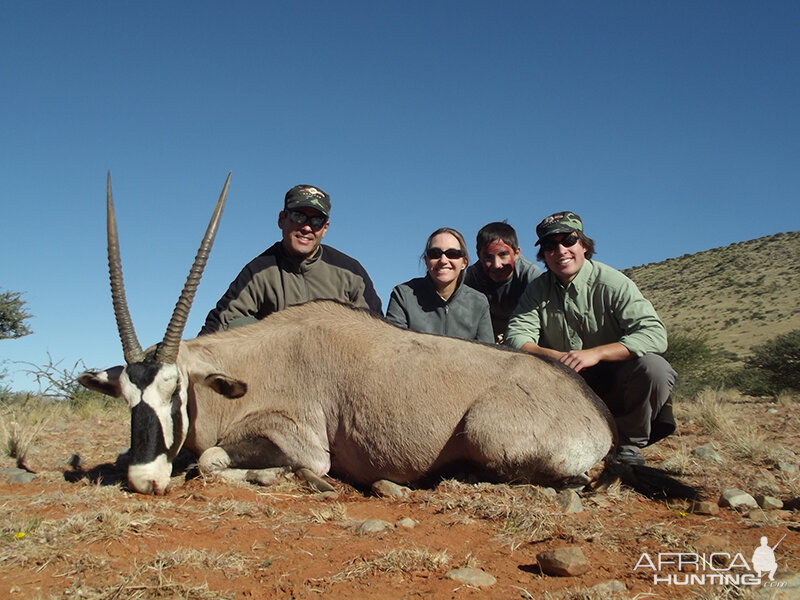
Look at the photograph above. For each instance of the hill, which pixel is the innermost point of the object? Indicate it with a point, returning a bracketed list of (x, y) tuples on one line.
[(735, 297)]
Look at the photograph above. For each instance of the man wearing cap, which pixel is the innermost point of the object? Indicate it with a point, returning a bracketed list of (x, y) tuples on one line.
[(594, 320), (297, 269)]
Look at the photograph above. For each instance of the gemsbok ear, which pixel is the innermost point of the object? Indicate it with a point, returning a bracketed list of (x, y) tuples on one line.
[(204, 373), (226, 386), (106, 382)]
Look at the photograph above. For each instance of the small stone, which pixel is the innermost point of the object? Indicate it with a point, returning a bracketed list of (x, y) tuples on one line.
[(23, 477), (758, 516), (765, 486), (569, 502), (266, 476), (608, 588), (388, 489), (12, 471), (471, 576), (737, 499), (373, 526), (705, 507), (601, 501), (548, 492), (786, 467), (769, 502), (708, 452), (407, 522), (563, 562)]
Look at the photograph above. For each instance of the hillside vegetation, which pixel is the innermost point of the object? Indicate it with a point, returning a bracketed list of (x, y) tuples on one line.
[(735, 297)]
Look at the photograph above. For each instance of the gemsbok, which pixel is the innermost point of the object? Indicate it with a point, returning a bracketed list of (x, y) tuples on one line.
[(326, 388)]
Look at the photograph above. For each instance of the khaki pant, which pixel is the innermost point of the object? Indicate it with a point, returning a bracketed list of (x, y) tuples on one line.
[(637, 392)]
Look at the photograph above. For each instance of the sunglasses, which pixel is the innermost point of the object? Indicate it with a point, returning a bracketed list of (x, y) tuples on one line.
[(567, 241), (299, 217), (436, 253)]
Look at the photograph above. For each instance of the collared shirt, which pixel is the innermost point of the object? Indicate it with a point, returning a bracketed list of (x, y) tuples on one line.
[(275, 280), (417, 305), (599, 306), (502, 297)]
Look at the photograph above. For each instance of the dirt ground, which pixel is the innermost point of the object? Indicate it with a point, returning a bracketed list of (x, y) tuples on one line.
[(75, 532)]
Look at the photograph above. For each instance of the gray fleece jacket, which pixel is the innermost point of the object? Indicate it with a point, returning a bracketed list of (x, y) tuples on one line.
[(416, 305)]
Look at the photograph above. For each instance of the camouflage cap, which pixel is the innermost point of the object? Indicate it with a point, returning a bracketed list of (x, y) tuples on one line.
[(310, 196), (560, 222)]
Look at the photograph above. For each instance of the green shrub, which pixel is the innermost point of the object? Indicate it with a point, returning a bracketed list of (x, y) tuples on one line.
[(774, 366), (752, 381), (13, 316), (698, 365)]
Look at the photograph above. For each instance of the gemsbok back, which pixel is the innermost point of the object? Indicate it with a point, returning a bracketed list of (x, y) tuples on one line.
[(325, 388)]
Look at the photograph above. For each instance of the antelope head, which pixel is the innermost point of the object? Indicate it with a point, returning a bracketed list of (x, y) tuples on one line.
[(153, 383)]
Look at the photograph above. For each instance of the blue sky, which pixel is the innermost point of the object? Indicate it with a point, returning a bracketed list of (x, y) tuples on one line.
[(670, 127)]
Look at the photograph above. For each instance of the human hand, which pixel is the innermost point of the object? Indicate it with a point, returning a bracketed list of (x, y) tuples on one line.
[(578, 360)]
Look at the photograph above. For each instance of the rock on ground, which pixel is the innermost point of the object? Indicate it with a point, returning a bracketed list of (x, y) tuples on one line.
[(471, 576), (563, 562)]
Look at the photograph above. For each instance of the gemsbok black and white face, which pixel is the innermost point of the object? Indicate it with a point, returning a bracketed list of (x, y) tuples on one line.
[(154, 385)]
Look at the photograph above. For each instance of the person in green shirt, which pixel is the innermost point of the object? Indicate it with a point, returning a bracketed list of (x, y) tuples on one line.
[(594, 320)]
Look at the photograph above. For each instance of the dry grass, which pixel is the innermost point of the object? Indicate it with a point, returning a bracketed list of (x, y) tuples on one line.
[(230, 563), (147, 584), (793, 485), (746, 441), (787, 398), (662, 535), (335, 512), (575, 594), (237, 508), (86, 494), (35, 536), (521, 513), (21, 424), (107, 524), (709, 411), (398, 560), (725, 593), (680, 462), (742, 440)]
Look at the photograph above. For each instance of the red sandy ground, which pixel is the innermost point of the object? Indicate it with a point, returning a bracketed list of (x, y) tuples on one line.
[(297, 544)]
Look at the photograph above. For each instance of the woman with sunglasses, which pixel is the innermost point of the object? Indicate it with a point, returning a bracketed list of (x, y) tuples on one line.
[(439, 303)]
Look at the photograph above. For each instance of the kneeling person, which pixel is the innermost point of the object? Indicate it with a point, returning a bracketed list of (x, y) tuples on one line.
[(594, 320)]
